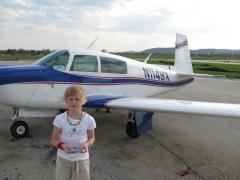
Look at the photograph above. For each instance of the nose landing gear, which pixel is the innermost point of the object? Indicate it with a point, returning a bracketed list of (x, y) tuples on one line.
[(18, 128)]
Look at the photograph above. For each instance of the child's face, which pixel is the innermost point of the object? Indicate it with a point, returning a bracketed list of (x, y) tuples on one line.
[(74, 102)]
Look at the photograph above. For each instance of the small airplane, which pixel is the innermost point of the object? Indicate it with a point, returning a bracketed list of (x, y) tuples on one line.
[(110, 81)]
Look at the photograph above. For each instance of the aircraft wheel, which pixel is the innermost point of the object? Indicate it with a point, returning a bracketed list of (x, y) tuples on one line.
[(131, 130), (19, 129)]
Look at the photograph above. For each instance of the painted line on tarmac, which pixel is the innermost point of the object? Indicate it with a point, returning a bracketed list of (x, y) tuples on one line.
[(128, 153)]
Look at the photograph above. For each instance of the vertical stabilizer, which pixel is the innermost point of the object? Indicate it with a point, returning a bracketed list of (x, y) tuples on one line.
[(182, 62)]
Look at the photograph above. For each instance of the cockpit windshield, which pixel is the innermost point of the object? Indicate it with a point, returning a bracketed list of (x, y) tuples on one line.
[(57, 60)]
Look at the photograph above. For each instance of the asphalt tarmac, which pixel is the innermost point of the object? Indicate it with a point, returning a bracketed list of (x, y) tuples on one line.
[(200, 147)]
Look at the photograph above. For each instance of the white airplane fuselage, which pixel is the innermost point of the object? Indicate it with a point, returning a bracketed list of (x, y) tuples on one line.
[(39, 86)]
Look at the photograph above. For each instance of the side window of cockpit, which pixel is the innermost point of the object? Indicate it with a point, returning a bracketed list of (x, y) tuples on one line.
[(57, 60), (110, 65), (85, 63)]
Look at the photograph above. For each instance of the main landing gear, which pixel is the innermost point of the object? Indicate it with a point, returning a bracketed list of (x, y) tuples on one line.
[(138, 123)]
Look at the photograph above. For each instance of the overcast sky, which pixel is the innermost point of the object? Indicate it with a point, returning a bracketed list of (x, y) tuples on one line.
[(120, 25)]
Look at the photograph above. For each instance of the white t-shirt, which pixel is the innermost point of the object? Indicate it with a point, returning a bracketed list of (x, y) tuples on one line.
[(74, 135)]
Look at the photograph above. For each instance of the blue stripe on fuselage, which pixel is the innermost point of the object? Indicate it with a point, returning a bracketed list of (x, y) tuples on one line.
[(42, 74)]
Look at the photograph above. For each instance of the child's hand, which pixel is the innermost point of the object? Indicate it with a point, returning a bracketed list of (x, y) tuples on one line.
[(66, 148), (85, 147)]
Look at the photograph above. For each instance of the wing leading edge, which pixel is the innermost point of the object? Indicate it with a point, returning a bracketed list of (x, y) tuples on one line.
[(177, 106)]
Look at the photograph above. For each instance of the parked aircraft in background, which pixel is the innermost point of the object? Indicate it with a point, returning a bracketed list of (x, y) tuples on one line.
[(110, 81)]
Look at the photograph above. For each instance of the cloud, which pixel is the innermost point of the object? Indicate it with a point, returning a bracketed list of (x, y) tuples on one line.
[(134, 24), (75, 3)]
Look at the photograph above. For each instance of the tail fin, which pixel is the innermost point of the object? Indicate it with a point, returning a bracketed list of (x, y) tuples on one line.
[(182, 62)]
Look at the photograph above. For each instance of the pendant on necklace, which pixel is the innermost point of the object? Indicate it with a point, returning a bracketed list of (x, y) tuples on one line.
[(72, 124)]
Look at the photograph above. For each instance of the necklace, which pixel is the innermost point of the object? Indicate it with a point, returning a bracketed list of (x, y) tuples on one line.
[(72, 124)]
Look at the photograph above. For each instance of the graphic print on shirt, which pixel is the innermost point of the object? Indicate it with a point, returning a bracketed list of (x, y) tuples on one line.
[(76, 131)]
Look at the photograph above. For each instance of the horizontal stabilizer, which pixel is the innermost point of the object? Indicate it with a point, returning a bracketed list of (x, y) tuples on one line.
[(201, 75)]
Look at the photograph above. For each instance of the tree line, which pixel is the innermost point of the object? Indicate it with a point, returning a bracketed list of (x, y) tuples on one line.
[(30, 52), (195, 56), (35, 54)]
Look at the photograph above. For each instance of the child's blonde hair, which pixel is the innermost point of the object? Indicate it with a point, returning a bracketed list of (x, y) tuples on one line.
[(74, 90)]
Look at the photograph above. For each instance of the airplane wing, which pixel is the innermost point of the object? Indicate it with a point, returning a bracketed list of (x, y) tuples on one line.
[(177, 106)]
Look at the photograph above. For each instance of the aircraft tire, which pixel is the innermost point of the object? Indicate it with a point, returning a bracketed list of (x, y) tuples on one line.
[(19, 129), (131, 130)]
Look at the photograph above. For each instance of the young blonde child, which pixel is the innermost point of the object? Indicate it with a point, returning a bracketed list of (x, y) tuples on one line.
[(73, 135)]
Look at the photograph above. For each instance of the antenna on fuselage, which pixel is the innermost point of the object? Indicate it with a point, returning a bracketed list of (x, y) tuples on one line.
[(92, 43), (146, 60)]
